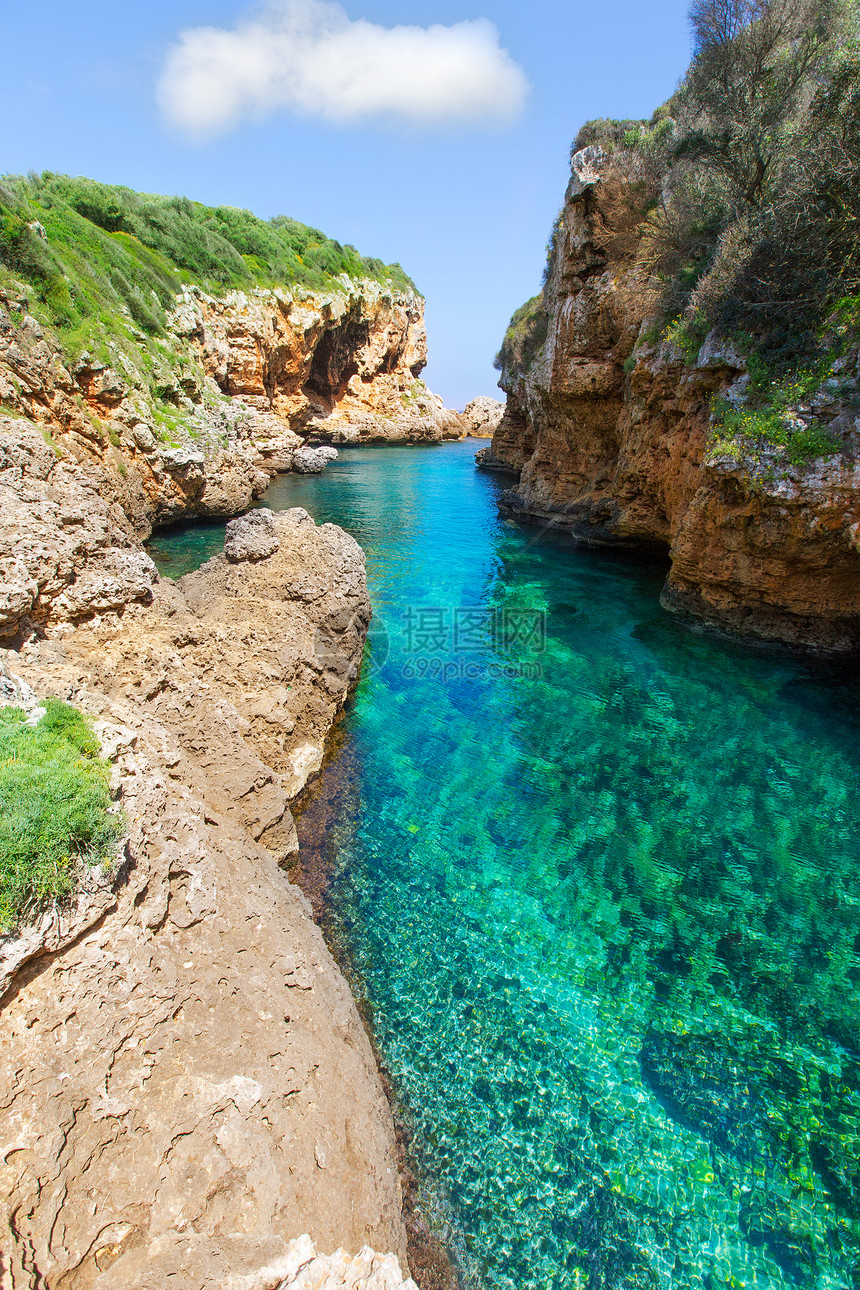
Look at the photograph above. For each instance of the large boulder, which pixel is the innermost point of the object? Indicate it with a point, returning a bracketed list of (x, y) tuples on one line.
[(252, 536), (482, 416), (313, 461)]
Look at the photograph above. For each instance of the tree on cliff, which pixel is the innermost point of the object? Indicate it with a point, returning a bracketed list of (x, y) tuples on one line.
[(745, 185), (754, 63), (759, 207)]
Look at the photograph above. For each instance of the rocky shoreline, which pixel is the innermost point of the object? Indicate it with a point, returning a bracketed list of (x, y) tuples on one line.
[(189, 1089), (609, 429), (331, 800), (253, 385)]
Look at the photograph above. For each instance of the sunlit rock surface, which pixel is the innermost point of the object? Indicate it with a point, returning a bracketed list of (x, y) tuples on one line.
[(610, 433), (257, 377), (187, 1085)]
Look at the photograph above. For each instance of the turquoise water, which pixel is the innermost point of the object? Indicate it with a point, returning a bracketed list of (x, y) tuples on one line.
[(599, 887)]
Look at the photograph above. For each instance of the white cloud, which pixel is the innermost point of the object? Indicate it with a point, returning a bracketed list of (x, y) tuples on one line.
[(309, 57)]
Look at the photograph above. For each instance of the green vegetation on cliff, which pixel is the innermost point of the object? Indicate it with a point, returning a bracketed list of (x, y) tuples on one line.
[(749, 177), (757, 223), (746, 187), (526, 334), (100, 258), (55, 808)]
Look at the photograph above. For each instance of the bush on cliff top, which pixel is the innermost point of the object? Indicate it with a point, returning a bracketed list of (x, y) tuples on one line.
[(766, 137), (55, 808), (748, 190), (609, 134), (218, 247), (96, 255), (750, 174)]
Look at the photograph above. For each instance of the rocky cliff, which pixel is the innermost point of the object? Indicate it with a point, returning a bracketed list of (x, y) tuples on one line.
[(610, 427), (191, 351), (242, 382), (187, 1087), (189, 1095)]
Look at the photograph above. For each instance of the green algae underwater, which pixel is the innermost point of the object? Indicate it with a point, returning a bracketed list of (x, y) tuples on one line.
[(598, 887)]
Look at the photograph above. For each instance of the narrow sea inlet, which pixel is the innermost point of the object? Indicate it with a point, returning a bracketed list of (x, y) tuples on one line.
[(598, 882)]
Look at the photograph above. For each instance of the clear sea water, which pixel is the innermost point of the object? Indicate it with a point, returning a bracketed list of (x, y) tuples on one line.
[(598, 883)]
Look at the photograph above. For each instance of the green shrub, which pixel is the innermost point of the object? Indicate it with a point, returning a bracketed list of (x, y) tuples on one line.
[(780, 399), (526, 333), (609, 134), (754, 167), (688, 334), (771, 421), (55, 811), (6, 410), (758, 226), (144, 244), (748, 433), (50, 441)]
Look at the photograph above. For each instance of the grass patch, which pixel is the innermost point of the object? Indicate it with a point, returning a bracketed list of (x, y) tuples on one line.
[(609, 134), (93, 251), (687, 334), (751, 433), (50, 441), (779, 411), (416, 396), (55, 808)]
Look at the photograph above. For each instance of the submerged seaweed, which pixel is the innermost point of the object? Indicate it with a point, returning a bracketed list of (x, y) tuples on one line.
[(605, 909)]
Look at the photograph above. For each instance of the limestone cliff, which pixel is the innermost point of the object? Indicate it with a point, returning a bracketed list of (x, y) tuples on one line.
[(189, 1095), (611, 431), (187, 1087), (341, 367), (243, 382)]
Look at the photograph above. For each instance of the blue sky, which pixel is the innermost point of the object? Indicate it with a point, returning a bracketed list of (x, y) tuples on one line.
[(465, 209)]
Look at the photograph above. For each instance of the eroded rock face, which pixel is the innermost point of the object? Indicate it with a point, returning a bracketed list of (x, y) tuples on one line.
[(253, 377), (189, 1095), (343, 367), (67, 551), (187, 1086), (611, 438), (313, 461)]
